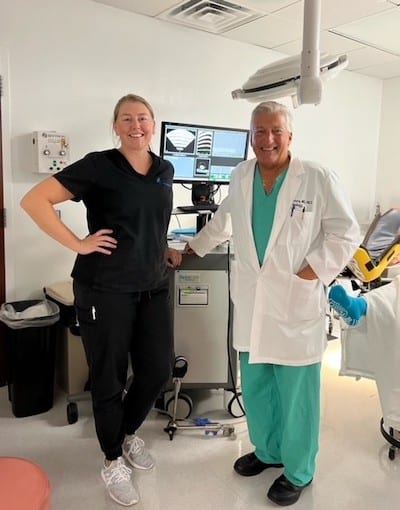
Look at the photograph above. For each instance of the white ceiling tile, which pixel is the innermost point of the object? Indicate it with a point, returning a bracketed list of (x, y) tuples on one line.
[(339, 12), (368, 57), (291, 48), (380, 31), (382, 71), (329, 43), (335, 44), (148, 8), (266, 6), (293, 12), (267, 31)]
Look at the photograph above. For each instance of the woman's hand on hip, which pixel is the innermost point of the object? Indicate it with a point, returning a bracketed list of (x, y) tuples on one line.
[(100, 242)]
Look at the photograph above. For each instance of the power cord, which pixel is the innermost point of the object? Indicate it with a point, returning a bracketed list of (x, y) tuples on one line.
[(236, 394)]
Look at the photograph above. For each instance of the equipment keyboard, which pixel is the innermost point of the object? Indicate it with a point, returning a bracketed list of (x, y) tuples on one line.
[(198, 207)]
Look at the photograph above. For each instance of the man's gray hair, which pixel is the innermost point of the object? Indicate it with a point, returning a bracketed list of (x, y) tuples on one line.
[(273, 107)]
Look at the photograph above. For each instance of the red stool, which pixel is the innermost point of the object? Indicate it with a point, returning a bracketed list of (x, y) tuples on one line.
[(23, 485)]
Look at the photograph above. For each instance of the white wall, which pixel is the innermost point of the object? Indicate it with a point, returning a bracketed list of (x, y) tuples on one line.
[(68, 74), (388, 181)]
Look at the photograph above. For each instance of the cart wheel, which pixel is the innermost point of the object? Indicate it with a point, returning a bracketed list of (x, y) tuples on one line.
[(184, 407), (392, 453), (235, 405), (72, 413), (170, 429)]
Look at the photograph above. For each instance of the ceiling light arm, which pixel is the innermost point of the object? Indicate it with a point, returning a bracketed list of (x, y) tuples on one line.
[(310, 84), (300, 77)]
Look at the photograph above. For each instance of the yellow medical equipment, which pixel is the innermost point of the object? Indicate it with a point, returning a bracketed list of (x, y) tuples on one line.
[(366, 269), (380, 247)]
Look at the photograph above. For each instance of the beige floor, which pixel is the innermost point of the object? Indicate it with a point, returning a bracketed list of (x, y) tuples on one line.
[(194, 471)]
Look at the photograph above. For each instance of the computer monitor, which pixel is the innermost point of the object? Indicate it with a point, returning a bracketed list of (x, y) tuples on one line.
[(203, 156)]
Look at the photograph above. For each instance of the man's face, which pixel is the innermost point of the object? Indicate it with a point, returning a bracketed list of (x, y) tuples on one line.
[(270, 139)]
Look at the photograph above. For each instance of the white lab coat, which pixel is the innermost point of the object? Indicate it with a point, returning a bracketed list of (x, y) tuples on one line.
[(372, 348), (279, 317)]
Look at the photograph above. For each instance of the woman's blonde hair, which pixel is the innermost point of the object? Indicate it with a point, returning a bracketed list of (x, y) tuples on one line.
[(132, 98)]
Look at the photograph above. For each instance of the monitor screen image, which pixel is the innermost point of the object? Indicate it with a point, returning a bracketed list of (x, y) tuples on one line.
[(203, 153)]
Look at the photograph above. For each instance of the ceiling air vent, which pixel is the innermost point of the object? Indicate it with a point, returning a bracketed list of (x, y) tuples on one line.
[(212, 16)]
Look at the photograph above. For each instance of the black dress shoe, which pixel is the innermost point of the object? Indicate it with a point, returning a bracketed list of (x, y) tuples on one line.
[(250, 465), (285, 493)]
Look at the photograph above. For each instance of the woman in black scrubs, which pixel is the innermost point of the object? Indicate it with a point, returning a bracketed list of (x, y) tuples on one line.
[(120, 281)]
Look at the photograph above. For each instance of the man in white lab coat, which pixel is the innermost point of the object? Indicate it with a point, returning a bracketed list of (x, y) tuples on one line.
[(293, 230)]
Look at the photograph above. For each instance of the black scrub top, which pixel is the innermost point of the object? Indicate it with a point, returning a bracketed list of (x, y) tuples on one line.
[(136, 207)]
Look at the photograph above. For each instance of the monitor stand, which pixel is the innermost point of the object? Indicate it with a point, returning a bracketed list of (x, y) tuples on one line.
[(202, 192)]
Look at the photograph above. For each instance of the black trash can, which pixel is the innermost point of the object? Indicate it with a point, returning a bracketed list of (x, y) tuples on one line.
[(30, 345)]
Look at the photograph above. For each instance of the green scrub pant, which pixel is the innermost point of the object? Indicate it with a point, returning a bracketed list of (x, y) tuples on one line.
[(282, 405)]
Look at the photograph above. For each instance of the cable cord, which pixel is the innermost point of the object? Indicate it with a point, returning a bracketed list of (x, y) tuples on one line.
[(236, 395), (214, 192)]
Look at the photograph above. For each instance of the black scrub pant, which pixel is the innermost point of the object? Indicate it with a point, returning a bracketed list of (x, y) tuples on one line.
[(114, 326)]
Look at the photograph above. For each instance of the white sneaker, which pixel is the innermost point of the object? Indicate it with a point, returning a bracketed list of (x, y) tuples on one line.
[(136, 454), (117, 477)]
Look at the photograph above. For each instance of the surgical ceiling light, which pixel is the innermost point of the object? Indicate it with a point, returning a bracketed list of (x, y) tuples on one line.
[(299, 77)]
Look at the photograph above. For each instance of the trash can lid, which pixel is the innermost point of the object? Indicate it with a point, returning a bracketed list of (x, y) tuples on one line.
[(30, 309), (61, 292), (29, 313)]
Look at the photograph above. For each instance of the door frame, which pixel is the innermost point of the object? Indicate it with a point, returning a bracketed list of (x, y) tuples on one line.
[(7, 182), (7, 280)]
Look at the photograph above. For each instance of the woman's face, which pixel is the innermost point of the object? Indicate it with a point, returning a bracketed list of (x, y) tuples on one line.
[(134, 125)]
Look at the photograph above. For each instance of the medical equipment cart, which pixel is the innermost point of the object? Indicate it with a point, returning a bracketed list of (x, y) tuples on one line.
[(202, 322)]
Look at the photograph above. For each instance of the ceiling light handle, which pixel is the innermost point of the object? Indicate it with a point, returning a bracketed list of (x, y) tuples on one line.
[(310, 84)]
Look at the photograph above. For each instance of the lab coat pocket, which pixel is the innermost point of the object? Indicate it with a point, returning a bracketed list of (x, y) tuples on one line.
[(272, 295), (297, 229), (305, 301), (242, 284)]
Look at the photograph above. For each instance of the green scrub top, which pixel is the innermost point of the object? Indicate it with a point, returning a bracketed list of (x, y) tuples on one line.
[(263, 211)]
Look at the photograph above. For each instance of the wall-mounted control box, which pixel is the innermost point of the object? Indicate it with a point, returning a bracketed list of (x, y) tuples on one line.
[(51, 151)]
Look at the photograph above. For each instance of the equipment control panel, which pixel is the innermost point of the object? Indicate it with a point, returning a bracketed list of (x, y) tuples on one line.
[(51, 151)]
